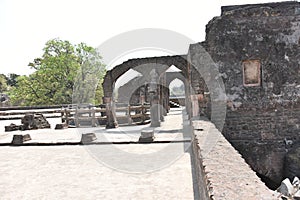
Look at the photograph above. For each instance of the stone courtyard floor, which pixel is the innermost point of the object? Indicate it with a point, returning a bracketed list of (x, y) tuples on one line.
[(109, 171)]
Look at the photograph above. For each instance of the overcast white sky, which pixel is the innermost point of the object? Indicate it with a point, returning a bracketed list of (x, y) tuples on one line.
[(26, 25)]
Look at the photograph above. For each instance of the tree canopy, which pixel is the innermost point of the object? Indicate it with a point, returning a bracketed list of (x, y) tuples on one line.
[(3, 83), (12, 79), (65, 74)]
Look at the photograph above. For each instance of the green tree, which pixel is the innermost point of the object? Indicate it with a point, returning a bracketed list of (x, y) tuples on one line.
[(12, 79), (3, 83), (88, 81), (62, 68), (99, 92)]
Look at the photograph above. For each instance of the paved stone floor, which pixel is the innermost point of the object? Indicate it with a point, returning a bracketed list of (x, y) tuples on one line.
[(169, 130), (124, 171)]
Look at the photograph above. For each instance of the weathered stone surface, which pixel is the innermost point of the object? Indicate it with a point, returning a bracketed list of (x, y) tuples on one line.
[(88, 138), (13, 127), (19, 139), (146, 140), (146, 133), (61, 126), (147, 136), (154, 113), (26, 137), (261, 10), (292, 163), (220, 170), (259, 119), (34, 121)]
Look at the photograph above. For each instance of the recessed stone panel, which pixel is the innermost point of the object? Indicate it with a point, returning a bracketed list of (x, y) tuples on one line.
[(251, 73)]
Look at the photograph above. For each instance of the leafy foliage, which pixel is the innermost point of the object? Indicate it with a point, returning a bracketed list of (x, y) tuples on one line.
[(87, 78), (12, 79), (62, 68), (3, 83)]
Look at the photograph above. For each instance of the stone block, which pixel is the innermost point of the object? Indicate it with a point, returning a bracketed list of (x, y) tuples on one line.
[(20, 139), (26, 137), (13, 127), (88, 138), (61, 126), (147, 136)]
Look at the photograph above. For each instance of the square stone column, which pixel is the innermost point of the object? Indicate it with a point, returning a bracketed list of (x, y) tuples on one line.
[(111, 120), (154, 111)]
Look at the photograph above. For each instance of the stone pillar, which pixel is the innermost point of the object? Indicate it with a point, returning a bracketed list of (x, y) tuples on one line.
[(202, 104), (142, 95), (188, 90), (166, 101), (160, 101), (111, 120), (154, 110), (164, 95), (142, 99), (154, 99), (195, 105), (163, 103), (188, 99)]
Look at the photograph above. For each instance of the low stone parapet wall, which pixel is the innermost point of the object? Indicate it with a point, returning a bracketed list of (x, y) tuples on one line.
[(220, 170)]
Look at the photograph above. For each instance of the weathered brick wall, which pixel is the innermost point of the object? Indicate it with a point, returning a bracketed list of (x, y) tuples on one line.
[(264, 137), (259, 119)]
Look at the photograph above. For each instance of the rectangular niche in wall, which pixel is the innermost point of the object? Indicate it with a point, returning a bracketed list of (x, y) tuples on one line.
[(251, 73)]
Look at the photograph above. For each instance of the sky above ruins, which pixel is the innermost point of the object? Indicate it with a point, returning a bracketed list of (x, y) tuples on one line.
[(27, 25)]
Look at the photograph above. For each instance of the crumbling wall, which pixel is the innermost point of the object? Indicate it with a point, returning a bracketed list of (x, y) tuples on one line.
[(262, 118)]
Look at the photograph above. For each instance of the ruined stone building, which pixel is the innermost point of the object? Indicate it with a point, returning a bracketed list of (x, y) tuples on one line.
[(256, 49), (245, 77)]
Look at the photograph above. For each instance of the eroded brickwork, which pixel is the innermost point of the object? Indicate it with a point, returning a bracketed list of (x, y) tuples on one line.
[(259, 119)]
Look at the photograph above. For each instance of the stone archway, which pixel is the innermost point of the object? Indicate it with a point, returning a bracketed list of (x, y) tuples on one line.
[(188, 74), (177, 92), (143, 66)]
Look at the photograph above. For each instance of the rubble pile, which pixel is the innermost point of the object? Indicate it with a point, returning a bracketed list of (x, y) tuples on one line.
[(34, 121), (30, 122), (288, 190)]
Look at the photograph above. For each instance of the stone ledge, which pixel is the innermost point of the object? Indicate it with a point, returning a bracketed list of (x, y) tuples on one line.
[(222, 169)]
